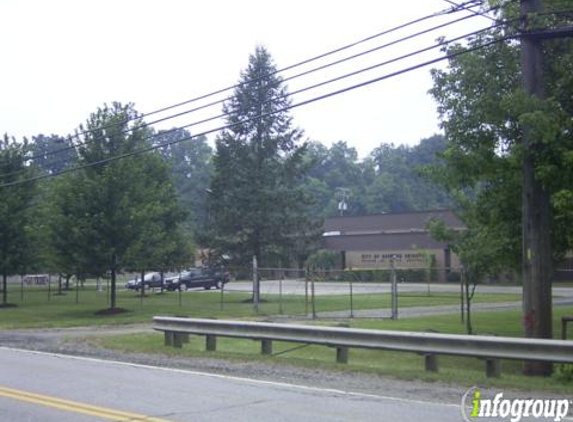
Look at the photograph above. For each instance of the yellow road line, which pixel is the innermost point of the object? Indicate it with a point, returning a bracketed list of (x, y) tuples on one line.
[(77, 407)]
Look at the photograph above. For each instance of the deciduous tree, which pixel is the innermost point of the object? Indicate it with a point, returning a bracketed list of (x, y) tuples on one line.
[(16, 208)]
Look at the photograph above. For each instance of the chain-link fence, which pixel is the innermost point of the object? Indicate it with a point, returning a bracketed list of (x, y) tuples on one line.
[(283, 292)]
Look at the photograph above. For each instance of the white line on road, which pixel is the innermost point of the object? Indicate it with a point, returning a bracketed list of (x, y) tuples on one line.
[(242, 379), (234, 378)]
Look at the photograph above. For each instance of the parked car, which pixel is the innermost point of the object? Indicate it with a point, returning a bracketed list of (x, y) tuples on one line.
[(204, 277), (149, 280), (37, 279)]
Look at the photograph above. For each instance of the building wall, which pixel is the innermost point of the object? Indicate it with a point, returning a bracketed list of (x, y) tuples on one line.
[(406, 259), (370, 242)]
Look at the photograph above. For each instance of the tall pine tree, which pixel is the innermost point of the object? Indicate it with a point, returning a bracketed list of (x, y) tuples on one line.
[(257, 205)]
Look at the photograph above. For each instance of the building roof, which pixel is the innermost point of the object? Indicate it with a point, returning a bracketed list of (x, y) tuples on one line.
[(397, 231)]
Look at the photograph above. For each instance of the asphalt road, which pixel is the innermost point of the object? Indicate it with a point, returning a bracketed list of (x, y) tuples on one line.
[(297, 287), (56, 388)]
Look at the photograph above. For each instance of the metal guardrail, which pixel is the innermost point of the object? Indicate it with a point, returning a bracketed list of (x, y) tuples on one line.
[(489, 348)]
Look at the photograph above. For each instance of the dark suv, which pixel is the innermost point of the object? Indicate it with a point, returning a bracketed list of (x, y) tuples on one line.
[(204, 277)]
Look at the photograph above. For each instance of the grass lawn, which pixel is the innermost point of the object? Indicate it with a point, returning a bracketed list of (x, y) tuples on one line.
[(458, 370), (39, 307)]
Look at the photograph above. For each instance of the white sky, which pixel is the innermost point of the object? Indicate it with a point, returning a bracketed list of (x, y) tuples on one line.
[(61, 59)]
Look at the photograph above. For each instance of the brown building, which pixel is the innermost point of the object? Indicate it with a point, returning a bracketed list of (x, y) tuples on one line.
[(371, 241)]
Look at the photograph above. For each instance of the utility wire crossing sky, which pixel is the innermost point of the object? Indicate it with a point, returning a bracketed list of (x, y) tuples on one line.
[(68, 58)]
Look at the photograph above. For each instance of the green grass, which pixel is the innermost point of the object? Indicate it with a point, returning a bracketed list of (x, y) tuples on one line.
[(458, 370), (39, 307)]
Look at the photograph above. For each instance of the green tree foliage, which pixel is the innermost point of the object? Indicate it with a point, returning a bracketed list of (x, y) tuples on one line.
[(334, 168), (257, 206), (390, 179), (60, 225), (191, 167), (399, 184), (118, 215), (325, 259), (483, 110), (53, 153), (16, 210)]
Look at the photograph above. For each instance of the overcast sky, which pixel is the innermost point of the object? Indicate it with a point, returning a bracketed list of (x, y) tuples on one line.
[(61, 59)]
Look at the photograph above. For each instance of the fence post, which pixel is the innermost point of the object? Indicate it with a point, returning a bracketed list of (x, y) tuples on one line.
[(281, 276), (21, 288), (394, 286), (255, 284), (351, 299), (306, 275), (462, 295), (222, 295), (49, 286), (313, 299)]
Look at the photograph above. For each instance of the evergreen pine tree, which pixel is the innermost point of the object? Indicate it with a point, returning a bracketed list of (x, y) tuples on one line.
[(257, 204)]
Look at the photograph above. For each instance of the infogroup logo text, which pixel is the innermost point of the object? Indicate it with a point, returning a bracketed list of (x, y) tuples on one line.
[(476, 407)]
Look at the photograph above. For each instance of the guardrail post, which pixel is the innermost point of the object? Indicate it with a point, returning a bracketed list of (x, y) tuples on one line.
[(267, 347), (342, 354), (492, 368), (211, 343), (431, 362), (564, 321), (178, 339), (169, 338), (430, 345)]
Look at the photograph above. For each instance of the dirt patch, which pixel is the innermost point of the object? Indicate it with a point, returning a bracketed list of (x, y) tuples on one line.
[(111, 311)]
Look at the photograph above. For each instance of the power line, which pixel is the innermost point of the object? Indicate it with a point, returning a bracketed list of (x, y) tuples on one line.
[(292, 106), (315, 58), (292, 77), (311, 87), (348, 58), (201, 97), (479, 2)]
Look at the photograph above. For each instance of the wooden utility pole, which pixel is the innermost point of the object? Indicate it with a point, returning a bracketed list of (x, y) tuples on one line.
[(536, 207)]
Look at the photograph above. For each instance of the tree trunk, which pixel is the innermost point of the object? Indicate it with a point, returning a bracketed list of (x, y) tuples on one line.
[(142, 275), (112, 298), (4, 289), (469, 297)]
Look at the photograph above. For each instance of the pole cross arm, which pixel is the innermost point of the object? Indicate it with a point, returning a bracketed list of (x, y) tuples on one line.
[(545, 34)]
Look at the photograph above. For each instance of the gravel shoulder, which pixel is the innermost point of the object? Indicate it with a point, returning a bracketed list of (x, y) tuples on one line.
[(72, 341)]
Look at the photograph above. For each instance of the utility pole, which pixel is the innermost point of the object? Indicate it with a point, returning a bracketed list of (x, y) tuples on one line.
[(343, 194), (537, 252)]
